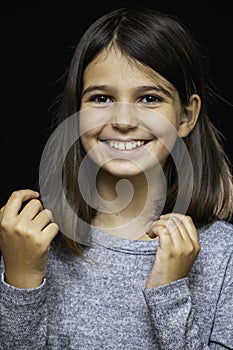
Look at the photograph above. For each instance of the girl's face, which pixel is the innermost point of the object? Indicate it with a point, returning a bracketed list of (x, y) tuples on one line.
[(130, 115)]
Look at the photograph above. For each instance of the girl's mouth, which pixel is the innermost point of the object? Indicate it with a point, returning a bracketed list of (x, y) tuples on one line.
[(126, 145)]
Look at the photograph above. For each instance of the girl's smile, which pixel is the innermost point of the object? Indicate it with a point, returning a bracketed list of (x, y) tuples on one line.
[(124, 145), (126, 148)]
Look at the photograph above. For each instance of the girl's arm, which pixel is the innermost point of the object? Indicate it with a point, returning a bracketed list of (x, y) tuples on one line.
[(173, 318), (25, 237), (168, 296), (23, 317)]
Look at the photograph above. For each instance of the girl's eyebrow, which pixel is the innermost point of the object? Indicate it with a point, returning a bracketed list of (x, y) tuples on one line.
[(97, 87), (143, 88), (157, 88)]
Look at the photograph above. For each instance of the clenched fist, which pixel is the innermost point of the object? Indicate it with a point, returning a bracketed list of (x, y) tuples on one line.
[(178, 249), (25, 237)]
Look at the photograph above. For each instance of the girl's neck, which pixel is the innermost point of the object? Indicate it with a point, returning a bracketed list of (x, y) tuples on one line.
[(128, 207)]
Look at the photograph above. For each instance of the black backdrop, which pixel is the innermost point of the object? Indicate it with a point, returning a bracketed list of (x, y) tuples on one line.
[(36, 46)]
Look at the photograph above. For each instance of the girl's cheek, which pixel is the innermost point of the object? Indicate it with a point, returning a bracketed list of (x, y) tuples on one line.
[(166, 135), (161, 152), (93, 119), (89, 139)]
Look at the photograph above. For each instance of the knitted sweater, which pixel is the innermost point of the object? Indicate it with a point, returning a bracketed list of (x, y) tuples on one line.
[(100, 302)]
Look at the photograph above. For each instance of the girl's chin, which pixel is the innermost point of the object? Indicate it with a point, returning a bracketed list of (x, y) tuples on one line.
[(125, 169)]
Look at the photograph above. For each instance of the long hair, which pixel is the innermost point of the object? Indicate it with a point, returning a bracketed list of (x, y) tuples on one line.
[(162, 43)]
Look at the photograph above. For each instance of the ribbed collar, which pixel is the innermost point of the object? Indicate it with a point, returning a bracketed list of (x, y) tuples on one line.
[(105, 240)]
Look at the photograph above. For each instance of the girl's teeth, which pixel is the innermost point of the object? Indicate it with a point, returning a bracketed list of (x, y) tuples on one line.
[(125, 145)]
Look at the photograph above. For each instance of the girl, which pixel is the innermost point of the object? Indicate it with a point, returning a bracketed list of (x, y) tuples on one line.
[(129, 243)]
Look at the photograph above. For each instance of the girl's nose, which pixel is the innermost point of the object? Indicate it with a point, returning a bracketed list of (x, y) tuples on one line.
[(124, 117), (123, 126)]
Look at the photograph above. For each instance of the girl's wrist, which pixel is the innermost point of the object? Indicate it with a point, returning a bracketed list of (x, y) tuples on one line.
[(24, 281)]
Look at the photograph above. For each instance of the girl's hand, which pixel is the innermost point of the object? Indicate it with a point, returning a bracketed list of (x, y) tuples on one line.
[(25, 237), (177, 251)]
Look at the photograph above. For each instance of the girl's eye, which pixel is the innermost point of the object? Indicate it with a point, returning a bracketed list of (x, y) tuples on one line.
[(151, 99), (101, 99)]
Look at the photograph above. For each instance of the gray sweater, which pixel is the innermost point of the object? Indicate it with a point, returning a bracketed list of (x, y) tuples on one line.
[(100, 302)]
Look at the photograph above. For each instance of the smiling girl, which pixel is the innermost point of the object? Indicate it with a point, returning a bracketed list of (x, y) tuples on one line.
[(134, 250)]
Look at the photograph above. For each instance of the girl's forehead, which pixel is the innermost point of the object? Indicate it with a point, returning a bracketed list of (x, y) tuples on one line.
[(113, 60)]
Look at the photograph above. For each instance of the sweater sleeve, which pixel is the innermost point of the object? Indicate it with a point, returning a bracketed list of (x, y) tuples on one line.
[(170, 308), (172, 315), (23, 317), (222, 332)]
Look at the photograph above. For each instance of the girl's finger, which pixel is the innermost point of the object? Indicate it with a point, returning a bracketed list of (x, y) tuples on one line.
[(167, 222), (31, 209), (186, 226), (50, 231), (163, 235), (16, 200), (1, 212), (42, 219), (175, 230)]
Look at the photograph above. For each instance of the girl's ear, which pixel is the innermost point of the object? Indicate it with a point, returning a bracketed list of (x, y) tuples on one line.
[(189, 116)]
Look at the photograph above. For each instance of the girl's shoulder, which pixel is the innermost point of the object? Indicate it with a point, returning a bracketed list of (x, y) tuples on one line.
[(218, 234)]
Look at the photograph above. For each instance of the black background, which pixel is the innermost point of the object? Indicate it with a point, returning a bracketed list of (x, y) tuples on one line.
[(37, 42)]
